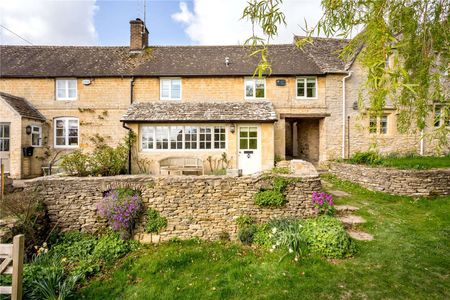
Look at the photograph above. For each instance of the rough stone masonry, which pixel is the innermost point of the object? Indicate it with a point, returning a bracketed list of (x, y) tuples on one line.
[(195, 206)]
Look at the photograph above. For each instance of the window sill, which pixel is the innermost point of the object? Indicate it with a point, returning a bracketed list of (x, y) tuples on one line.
[(65, 147), (306, 98)]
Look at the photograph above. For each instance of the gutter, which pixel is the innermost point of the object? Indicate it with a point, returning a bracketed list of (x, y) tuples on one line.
[(344, 112)]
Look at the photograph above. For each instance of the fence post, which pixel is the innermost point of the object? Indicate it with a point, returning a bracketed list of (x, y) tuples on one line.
[(18, 251)]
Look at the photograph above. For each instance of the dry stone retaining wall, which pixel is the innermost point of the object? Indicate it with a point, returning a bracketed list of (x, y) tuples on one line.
[(195, 206), (395, 181)]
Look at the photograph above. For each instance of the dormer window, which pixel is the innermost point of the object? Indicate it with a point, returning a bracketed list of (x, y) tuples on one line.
[(66, 89), (170, 88), (255, 88)]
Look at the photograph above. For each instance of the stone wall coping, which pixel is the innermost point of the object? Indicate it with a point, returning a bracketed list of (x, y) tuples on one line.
[(418, 171), (177, 178)]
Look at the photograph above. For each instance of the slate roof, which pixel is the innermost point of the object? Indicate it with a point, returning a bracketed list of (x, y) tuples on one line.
[(22, 106), (170, 112), (93, 61)]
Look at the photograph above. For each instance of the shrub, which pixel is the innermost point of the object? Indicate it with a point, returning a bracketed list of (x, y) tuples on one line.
[(121, 209), (262, 236), (290, 238), (269, 198), (327, 237), (76, 163), (280, 170), (367, 157), (244, 220), (245, 234), (31, 215), (323, 203), (155, 222)]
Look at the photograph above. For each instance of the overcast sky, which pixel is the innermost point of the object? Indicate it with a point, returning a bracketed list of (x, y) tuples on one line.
[(170, 22)]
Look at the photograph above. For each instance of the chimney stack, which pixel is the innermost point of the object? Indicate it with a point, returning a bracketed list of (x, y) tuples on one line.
[(138, 35)]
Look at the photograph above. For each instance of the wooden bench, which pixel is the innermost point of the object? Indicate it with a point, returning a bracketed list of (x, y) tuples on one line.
[(180, 166)]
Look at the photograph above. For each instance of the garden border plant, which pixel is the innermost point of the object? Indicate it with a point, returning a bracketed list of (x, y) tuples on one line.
[(273, 197)]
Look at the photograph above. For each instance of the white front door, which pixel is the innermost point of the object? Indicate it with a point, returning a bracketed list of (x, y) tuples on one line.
[(5, 141), (249, 152)]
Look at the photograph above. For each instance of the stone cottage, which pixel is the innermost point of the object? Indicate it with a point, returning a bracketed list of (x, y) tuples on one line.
[(190, 102)]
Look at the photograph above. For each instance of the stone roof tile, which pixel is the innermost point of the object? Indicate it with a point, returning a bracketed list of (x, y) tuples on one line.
[(22, 106)]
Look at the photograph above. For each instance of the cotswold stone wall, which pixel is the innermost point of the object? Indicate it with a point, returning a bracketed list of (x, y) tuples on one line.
[(396, 181), (195, 206)]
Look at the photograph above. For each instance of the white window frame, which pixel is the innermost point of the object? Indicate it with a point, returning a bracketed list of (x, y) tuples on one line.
[(66, 136), (305, 81), (161, 79), (253, 79), (66, 80), (441, 117), (184, 149), (378, 127), (39, 132)]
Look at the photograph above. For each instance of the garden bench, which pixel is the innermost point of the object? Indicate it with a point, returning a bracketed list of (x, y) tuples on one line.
[(180, 165)]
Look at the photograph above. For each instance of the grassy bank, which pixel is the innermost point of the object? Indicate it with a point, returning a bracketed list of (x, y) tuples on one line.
[(407, 260)]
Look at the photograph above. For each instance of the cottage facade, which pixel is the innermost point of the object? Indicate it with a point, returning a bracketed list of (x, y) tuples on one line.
[(187, 101)]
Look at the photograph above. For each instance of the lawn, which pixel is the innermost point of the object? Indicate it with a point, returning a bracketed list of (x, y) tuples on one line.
[(401, 162), (409, 259)]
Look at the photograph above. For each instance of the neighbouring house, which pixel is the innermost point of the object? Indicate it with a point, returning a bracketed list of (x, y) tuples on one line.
[(188, 101)]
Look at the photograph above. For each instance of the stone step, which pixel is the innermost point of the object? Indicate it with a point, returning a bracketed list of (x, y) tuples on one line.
[(344, 209), (284, 164), (360, 235), (339, 193), (351, 220)]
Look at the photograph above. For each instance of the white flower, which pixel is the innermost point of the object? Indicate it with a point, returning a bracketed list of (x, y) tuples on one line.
[(274, 230), (290, 250), (274, 246)]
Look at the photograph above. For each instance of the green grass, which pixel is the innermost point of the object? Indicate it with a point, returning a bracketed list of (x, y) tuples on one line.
[(401, 162), (409, 259)]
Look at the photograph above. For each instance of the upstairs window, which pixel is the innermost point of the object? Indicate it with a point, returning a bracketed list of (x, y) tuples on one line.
[(66, 89), (378, 125), (66, 132), (439, 117), (36, 136), (306, 87), (255, 88), (170, 88)]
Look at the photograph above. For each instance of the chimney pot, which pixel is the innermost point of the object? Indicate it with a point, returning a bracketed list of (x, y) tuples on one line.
[(138, 35)]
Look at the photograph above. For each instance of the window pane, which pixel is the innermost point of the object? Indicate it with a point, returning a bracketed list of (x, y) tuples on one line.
[(248, 88), (72, 84), (176, 89), (165, 88), (60, 141), (243, 143), (373, 125), (61, 84), (219, 137), (73, 141), (260, 88), (300, 87), (190, 137), (5, 131), (252, 144), (162, 137), (383, 125), (72, 93), (253, 132), (205, 138), (176, 137), (437, 116), (61, 93), (148, 137)]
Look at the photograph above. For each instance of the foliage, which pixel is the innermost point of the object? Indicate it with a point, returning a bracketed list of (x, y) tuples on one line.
[(76, 163), (219, 166), (401, 161), (262, 236), (323, 203), (272, 197), (326, 236), (244, 220), (246, 233), (367, 157), (104, 160), (410, 236), (121, 209), (155, 223), (246, 229), (281, 170), (267, 16), (31, 215), (75, 256), (269, 198)]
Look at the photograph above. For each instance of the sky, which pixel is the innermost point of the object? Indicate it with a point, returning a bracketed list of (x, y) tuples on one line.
[(170, 22)]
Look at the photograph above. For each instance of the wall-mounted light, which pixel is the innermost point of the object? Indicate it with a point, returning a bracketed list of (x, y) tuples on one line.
[(28, 129), (232, 128)]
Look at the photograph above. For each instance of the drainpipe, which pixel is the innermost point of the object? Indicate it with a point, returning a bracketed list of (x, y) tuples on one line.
[(131, 90), (421, 143), (129, 149), (343, 112)]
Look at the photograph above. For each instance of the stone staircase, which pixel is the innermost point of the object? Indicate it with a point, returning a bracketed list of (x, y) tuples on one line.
[(350, 221)]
